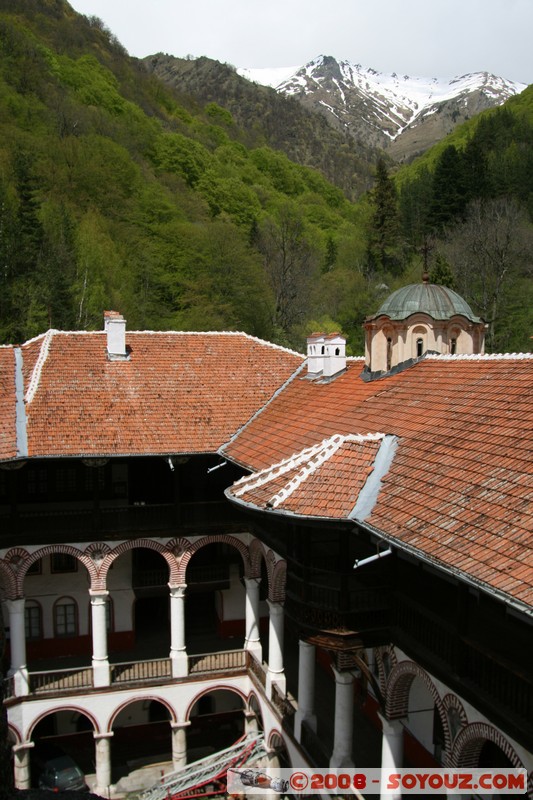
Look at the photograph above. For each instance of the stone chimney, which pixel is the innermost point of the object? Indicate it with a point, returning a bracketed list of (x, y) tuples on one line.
[(334, 355), (115, 328), (315, 353)]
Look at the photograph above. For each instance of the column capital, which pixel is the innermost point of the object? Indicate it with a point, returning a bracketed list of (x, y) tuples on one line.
[(15, 604), (275, 607), (105, 735), (176, 726), (17, 748), (98, 594), (390, 727), (342, 677), (177, 589)]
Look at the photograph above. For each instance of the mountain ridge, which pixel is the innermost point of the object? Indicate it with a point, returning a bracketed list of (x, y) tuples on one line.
[(390, 111)]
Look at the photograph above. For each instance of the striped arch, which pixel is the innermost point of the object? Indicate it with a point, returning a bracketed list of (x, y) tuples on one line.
[(141, 698), (212, 539), (219, 687), (278, 582), (381, 654), (397, 698), (470, 740), (452, 703), (124, 547), (257, 552), (8, 581), (77, 709), (52, 549)]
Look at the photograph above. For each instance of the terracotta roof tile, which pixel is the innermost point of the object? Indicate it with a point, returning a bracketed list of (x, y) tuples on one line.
[(323, 482), (460, 487), (8, 435), (177, 392)]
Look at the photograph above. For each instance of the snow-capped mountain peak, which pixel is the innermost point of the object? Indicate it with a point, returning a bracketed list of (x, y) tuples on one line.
[(382, 107)]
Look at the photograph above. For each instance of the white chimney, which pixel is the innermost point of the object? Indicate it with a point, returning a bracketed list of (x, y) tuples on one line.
[(115, 327), (334, 355), (315, 353)]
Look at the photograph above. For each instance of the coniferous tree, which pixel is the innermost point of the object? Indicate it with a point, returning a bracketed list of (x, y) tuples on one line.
[(384, 239), (450, 195)]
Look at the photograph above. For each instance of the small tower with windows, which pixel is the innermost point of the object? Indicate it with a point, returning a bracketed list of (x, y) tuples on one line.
[(420, 318)]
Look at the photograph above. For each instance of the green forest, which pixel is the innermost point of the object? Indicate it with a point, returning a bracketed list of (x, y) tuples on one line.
[(116, 192)]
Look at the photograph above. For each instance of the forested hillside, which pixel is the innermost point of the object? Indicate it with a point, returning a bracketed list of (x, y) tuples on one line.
[(467, 207), (276, 120), (114, 194), (118, 192)]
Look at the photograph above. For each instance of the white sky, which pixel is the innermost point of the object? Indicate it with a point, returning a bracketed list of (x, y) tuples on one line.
[(430, 38)]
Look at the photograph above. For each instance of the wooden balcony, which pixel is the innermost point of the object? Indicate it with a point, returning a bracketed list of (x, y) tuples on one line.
[(87, 522)]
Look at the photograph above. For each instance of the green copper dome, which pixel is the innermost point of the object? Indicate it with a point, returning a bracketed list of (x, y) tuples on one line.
[(438, 302)]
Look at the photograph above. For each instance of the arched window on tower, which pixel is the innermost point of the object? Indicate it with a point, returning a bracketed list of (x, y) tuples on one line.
[(419, 347), (389, 353)]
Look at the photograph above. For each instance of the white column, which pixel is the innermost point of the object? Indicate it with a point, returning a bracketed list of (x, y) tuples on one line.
[(343, 736), (21, 766), (17, 640), (102, 750), (275, 673), (391, 751), (306, 689), (100, 663), (179, 743), (178, 650), (252, 641)]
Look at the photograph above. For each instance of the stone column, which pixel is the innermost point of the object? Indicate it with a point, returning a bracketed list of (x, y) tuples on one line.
[(391, 751), (17, 638), (252, 641), (275, 672), (179, 743), (102, 750), (21, 766), (343, 736), (306, 689), (178, 650), (100, 662)]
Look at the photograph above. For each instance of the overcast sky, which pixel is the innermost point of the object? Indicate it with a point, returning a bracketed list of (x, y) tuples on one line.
[(426, 38)]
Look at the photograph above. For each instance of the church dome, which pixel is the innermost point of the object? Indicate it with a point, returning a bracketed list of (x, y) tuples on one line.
[(439, 302)]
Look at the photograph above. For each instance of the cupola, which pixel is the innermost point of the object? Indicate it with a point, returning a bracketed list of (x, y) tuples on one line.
[(420, 318)]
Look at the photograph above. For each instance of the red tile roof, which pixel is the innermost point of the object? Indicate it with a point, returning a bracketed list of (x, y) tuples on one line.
[(8, 432), (459, 489), (176, 393), (322, 481)]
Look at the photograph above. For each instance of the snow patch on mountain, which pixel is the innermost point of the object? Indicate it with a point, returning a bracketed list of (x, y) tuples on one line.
[(397, 100)]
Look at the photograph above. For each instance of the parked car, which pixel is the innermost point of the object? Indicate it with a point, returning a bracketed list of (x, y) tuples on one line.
[(60, 774)]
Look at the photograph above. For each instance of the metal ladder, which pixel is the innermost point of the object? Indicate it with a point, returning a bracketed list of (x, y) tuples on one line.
[(206, 777)]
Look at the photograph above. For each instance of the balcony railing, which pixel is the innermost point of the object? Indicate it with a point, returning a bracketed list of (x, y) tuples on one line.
[(226, 661), (153, 671), (57, 682), (156, 669)]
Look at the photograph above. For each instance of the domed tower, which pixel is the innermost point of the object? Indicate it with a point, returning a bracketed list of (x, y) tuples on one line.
[(419, 318)]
